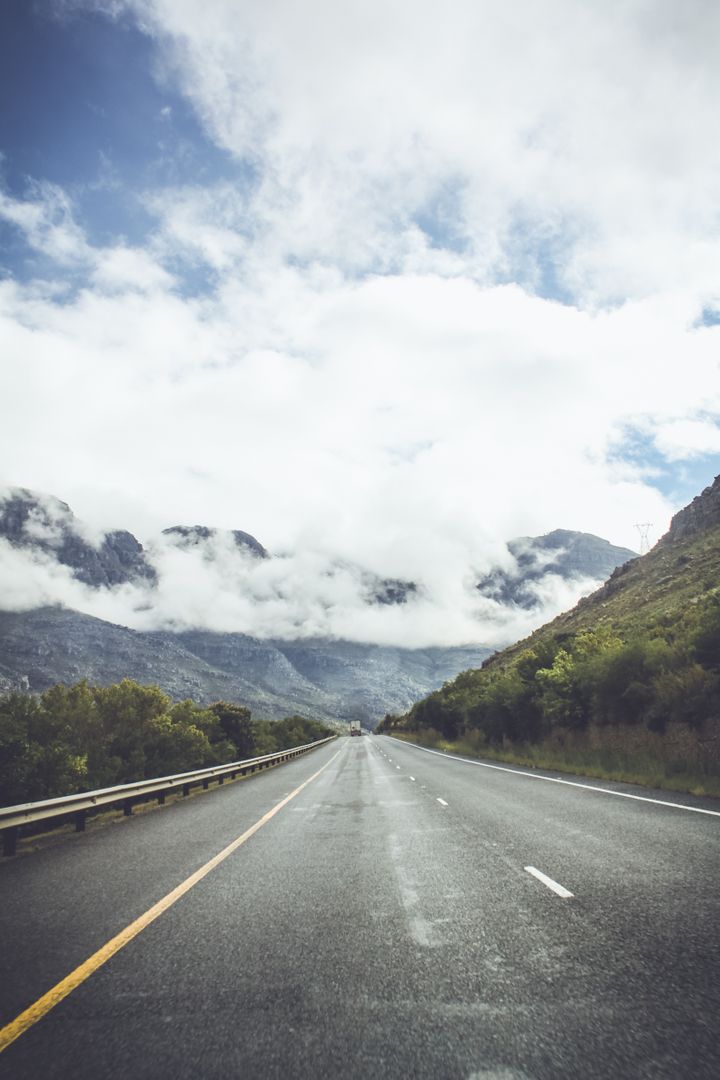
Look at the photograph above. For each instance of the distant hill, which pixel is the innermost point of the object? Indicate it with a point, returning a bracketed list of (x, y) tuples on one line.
[(627, 683)]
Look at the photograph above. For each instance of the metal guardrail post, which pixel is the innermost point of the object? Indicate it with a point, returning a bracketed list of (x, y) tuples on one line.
[(10, 840)]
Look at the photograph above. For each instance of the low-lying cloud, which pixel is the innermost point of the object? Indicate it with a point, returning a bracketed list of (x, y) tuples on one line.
[(215, 585)]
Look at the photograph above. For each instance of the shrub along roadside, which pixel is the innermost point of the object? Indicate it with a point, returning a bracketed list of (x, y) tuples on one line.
[(648, 767), (639, 703), (82, 737)]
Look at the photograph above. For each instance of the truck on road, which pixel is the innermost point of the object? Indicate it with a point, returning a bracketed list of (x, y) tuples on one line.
[(355, 728)]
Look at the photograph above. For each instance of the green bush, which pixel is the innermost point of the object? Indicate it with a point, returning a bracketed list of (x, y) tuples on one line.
[(82, 737)]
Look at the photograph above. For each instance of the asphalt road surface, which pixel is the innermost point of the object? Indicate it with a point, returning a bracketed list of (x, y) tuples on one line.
[(405, 914)]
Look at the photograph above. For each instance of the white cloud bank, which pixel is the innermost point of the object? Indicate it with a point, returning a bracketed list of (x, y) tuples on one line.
[(376, 374), (216, 586)]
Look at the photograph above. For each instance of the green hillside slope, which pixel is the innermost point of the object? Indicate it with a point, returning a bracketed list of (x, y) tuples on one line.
[(625, 685)]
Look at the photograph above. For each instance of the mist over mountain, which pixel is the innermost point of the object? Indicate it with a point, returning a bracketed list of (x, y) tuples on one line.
[(45, 524), (211, 613), (194, 535), (562, 552), (198, 577)]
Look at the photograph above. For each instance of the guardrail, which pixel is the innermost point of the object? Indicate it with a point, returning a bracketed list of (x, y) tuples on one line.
[(78, 805)]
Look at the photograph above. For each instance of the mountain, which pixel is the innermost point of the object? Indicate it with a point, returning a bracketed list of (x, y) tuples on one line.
[(189, 536), (45, 524), (321, 677), (325, 680), (48, 525), (626, 684), (50, 645), (562, 552)]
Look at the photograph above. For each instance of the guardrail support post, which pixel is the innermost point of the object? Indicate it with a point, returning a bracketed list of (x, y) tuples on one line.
[(221, 779), (186, 790), (10, 840), (206, 785), (127, 807), (80, 821), (161, 798)]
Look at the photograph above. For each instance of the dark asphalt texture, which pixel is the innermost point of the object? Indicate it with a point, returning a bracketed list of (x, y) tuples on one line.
[(367, 930)]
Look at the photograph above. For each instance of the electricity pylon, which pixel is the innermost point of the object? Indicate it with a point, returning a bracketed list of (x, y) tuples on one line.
[(644, 528)]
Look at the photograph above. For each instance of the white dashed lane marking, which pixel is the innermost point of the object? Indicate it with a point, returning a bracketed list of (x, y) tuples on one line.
[(559, 889)]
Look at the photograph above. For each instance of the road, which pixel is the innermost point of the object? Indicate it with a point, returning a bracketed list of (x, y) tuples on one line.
[(380, 922)]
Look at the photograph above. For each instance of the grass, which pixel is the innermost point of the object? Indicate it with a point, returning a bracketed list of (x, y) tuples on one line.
[(599, 763)]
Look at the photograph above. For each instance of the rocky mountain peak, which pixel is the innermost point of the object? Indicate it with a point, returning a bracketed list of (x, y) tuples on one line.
[(563, 552), (700, 514), (42, 522), (192, 535)]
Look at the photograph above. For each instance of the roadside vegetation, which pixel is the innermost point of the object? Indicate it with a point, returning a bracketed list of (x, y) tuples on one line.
[(81, 737), (626, 686)]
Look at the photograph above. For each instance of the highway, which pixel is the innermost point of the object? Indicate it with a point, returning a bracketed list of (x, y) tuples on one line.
[(403, 914)]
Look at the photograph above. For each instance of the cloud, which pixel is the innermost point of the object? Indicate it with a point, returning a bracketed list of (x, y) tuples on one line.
[(679, 440), (216, 586), (389, 416), (455, 262), (574, 132), (47, 223), (31, 578)]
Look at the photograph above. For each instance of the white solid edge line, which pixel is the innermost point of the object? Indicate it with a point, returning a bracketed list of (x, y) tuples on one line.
[(412, 778), (441, 801), (568, 783), (559, 889)]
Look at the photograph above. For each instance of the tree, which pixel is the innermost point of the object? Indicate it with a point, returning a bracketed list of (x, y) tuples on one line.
[(38, 759), (237, 726)]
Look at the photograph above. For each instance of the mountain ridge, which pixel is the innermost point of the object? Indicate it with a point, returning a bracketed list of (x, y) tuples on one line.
[(50, 645)]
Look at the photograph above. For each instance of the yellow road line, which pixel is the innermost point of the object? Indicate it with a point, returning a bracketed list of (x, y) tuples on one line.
[(53, 997)]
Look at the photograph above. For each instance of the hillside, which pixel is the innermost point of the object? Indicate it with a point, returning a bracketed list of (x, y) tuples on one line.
[(627, 683), (651, 594), (322, 679)]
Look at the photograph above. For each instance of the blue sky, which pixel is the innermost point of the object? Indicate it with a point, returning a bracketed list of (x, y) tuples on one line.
[(248, 266), (88, 108)]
